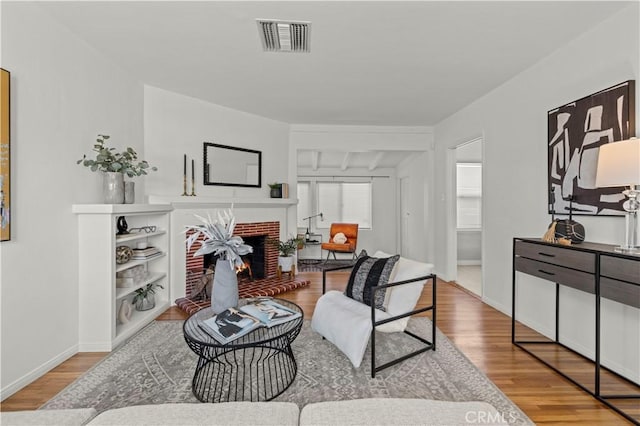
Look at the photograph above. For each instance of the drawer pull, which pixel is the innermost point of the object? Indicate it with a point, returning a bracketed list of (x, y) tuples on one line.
[(545, 272), (546, 254)]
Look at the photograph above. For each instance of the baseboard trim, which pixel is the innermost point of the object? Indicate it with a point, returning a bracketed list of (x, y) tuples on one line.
[(37, 372)]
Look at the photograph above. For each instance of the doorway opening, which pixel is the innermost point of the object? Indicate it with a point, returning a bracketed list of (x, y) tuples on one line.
[(469, 216)]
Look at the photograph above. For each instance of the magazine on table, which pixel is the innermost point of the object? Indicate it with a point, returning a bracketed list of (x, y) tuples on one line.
[(269, 312), (234, 323)]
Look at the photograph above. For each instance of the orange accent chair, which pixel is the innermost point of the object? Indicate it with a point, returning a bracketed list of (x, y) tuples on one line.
[(350, 230)]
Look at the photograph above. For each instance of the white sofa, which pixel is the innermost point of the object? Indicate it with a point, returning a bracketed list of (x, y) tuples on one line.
[(373, 411)]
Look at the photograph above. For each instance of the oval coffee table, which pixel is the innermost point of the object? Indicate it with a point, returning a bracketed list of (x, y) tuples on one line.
[(255, 367)]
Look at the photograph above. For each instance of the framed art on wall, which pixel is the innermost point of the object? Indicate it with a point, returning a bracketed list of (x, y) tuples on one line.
[(574, 134), (5, 157)]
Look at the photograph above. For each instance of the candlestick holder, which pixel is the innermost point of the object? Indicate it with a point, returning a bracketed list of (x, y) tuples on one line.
[(193, 187), (184, 184)]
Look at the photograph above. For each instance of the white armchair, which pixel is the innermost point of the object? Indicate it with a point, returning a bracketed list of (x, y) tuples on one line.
[(348, 323)]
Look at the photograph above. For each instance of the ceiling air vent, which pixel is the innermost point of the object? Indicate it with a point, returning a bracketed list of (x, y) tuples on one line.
[(284, 36)]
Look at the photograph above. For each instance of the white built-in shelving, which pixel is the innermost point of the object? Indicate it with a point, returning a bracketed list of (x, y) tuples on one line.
[(99, 296)]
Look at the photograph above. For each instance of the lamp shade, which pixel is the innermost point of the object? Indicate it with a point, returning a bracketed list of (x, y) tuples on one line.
[(619, 164)]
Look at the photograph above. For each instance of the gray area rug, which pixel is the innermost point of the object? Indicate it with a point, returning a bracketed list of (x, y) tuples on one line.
[(156, 366)]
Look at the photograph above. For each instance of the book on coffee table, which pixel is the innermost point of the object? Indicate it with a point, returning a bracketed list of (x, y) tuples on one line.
[(234, 323)]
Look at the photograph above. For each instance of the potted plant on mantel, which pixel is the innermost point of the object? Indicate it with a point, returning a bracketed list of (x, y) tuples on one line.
[(286, 249), (114, 165)]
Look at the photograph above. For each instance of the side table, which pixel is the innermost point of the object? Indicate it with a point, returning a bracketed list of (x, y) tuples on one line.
[(256, 367)]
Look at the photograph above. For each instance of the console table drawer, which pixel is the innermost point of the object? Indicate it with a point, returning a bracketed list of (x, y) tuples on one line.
[(574, 259), (620, 269), (625, 293), (570, 278)]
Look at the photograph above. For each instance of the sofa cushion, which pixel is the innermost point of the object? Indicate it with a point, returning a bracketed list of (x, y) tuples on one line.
[(229, 413), (66, 417), (395, 411), (370, 272)]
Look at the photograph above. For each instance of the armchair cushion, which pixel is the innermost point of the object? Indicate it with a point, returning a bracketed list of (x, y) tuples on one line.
[(370, 272), (346, 323)]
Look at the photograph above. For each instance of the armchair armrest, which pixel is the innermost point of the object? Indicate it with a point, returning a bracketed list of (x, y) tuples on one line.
[(407, 314), (428, 345)]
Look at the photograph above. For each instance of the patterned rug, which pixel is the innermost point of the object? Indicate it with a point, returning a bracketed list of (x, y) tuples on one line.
[(156, 366)]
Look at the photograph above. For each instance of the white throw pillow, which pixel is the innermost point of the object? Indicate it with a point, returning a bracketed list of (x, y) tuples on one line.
[(339, 238)]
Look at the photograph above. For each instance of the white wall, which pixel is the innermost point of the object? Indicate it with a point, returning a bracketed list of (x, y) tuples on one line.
[(512, 121), (63, 95), (175, 125), (384, 234)]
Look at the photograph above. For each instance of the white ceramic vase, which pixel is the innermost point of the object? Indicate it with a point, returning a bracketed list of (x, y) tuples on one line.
[(224, 294), (113, 187)]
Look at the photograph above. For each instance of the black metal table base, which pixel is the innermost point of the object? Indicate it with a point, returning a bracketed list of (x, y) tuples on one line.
[(258, 373)]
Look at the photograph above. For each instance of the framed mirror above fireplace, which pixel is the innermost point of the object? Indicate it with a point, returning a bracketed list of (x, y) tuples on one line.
[(232, 166)]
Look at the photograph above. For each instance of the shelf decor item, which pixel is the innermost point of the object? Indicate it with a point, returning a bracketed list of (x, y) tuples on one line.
[(145, 297), (123, 254), (229, 249), (114, 165)]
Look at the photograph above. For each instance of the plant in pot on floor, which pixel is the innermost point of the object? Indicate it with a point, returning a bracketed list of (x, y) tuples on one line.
[(287, 250), (114, 165), (145, 297)]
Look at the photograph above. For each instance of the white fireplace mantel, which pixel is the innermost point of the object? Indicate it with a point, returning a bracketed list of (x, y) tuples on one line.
[(188, 202)]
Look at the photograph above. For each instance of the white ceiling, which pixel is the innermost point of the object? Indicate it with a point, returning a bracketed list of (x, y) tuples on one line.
[(371, 63)]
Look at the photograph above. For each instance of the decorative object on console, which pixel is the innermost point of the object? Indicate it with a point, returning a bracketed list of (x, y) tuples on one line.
[(219, 240), (123, 254), (619, 165), (5, 156), (145, 297), (114, 166), (575, 132), (563, 231)]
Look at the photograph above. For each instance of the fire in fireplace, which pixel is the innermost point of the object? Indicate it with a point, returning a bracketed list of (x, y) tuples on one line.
[(255, 265)]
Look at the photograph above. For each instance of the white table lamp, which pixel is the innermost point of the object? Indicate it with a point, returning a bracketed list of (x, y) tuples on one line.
[(619, 165)]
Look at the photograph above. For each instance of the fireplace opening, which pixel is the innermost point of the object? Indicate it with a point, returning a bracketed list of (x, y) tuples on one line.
[(255, 263)]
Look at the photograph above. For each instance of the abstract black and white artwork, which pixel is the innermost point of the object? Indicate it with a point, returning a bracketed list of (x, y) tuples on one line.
[(575, 133)]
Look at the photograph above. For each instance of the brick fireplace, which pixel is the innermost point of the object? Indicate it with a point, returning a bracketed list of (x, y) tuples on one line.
[(270, 285), (196, 265)]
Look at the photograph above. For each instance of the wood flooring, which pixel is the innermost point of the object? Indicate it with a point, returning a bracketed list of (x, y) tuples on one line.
[(482, 333)]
